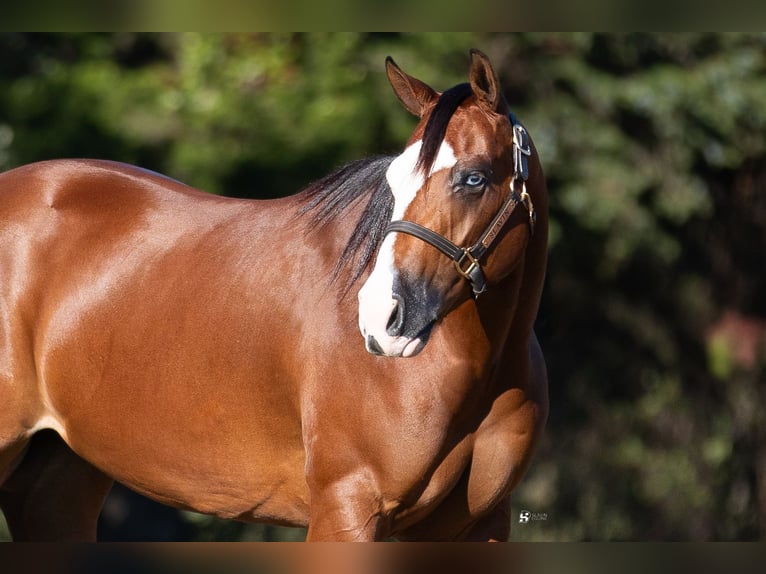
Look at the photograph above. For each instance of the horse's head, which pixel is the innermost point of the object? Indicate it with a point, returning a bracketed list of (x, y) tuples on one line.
[(454, 230)]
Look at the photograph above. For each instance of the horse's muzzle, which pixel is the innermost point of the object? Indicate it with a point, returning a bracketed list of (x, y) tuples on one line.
[(388, 342), (393, 322)]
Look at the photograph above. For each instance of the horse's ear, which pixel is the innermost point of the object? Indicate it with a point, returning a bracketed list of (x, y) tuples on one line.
[(415, 96), (485, 84)]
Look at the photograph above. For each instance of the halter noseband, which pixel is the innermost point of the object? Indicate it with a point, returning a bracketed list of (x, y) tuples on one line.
[(467, 259)]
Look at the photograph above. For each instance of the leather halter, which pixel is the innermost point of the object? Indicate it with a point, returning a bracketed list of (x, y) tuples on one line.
[(468, 259)]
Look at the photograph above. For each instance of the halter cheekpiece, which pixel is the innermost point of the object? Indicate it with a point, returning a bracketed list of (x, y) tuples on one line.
[(468, 259)]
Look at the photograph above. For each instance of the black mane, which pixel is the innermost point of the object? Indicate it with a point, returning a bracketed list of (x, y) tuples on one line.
[(330, 197)]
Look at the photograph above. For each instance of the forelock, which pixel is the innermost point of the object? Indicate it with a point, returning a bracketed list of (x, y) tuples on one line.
[(436, 127)]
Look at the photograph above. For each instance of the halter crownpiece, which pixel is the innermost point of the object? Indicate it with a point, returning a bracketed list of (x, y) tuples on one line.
[(468, 259)]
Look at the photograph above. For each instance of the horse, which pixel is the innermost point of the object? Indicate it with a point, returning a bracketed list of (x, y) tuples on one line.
[(357, 359)]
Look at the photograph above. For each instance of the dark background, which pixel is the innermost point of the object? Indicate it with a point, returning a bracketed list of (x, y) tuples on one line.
[(653, 319)]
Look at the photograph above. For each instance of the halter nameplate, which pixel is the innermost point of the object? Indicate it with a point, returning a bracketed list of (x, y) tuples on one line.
[(497, 224), (467, 260)]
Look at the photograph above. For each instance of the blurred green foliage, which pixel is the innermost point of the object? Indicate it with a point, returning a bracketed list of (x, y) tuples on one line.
[(654, 149)]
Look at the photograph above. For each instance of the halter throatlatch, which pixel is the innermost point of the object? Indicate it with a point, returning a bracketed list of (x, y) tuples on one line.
[(467, 259)]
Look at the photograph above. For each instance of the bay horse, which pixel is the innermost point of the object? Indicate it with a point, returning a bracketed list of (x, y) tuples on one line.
[(206, 352)]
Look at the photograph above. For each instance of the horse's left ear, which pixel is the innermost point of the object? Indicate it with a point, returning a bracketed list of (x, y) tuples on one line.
[(485, 84)]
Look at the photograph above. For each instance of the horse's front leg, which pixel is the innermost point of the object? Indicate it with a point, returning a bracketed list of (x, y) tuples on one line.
[(495, 526), (345, 510)]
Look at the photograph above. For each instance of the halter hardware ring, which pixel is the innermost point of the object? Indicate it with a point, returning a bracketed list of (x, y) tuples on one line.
[(472, 265)]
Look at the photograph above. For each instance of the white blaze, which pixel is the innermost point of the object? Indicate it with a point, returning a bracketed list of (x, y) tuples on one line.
[(376, 302)]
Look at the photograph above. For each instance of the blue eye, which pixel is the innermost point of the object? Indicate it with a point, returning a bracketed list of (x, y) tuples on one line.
[(475, 180)]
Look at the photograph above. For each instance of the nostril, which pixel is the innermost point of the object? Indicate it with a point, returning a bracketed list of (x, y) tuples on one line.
[(395, 324), (373, 346)]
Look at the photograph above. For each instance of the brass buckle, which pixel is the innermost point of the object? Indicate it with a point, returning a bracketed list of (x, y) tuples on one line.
[(527, 201), (473, 264)]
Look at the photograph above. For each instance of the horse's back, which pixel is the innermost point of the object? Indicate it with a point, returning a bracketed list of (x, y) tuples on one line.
[(128, 317), (57, 219), (71, 224)]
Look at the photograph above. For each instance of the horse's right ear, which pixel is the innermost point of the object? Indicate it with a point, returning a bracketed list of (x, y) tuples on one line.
[(415, 96)]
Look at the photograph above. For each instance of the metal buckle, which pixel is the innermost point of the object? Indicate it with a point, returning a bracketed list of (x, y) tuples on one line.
[(521, 139), (521, 151), (473, 264)]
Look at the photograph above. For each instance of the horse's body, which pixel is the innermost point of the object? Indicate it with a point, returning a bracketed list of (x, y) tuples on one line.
[(202, 351)]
